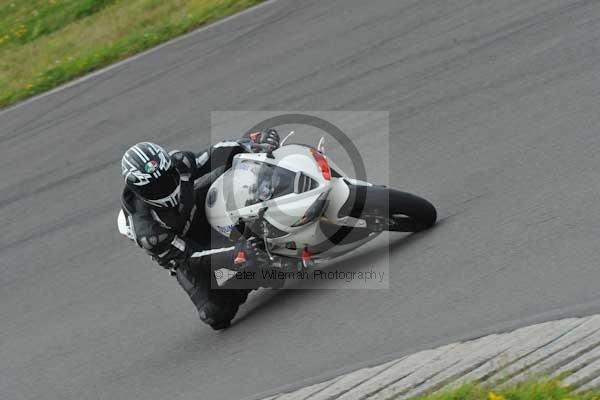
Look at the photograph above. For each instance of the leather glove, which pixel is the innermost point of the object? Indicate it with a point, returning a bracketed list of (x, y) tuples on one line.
[(271, 137), (267, 137), (172, 259)]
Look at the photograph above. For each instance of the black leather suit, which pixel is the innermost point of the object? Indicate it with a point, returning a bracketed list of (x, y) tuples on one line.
[(181, 238)]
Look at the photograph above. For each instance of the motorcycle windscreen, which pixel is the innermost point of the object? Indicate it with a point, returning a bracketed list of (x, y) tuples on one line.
[(250, 182)]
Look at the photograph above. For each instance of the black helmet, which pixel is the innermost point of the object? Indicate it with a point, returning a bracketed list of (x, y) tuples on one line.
[(149, 173)]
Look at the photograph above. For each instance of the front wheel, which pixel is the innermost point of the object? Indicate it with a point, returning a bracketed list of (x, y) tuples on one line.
[(409, 213), (386, 209)]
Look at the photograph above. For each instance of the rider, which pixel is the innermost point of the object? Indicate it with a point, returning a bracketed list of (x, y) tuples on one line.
[(163, 201)]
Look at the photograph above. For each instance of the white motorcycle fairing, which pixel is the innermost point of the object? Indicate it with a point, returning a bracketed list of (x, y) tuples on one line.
[(237, 194)]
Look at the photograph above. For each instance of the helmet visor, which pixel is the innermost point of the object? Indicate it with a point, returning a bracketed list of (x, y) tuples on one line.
[(163, 185), (172, 200)]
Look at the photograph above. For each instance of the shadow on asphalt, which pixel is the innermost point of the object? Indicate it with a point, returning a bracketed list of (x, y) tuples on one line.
[(190, 345), (266, 300)]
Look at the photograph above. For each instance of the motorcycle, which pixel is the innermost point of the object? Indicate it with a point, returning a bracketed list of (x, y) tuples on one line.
[(304, 209)]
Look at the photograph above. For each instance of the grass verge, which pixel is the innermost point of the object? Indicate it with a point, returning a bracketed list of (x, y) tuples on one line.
[(44, 43), (533, 389)]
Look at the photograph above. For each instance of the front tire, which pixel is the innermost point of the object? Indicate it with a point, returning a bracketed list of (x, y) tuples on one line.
[(386, 209), (409, 213)]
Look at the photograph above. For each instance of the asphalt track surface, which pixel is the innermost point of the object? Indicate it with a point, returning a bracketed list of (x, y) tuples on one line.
[(494, 117)]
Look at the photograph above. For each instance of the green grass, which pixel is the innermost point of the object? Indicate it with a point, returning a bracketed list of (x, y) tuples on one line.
[(44, 43), (533, 389)]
